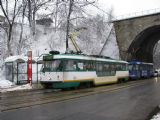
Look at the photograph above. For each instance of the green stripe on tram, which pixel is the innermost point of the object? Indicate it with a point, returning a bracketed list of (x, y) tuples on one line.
[(65, 85)]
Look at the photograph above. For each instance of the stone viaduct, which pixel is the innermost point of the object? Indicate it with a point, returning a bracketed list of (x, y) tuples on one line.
[(136, 37)]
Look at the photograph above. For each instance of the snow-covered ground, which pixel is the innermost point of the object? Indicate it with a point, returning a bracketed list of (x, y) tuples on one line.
[(6, 85), (14, 87), (156, 117)]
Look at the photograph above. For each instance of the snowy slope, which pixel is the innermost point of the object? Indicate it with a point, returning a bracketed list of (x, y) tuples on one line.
[(47, 39)]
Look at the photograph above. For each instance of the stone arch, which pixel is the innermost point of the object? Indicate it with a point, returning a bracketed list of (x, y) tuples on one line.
[(142, 46)]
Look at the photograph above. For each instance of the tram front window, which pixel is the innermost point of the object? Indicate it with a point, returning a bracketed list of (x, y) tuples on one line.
[(52, 65)]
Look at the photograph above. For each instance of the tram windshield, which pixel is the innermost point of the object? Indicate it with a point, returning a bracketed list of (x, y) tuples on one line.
[(52, 65)]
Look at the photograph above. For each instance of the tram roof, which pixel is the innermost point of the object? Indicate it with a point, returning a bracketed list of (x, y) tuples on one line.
[(83, 57), (138, 62)]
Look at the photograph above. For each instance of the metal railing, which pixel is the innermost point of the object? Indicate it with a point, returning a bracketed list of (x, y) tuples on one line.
[(137, 14)]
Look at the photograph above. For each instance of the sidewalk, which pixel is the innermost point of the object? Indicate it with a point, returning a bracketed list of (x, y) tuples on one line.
[(25, 87)]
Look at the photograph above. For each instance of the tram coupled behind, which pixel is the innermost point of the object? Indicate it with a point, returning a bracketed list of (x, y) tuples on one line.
[(138, 70)]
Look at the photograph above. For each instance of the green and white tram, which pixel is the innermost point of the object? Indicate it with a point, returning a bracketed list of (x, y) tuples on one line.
[(74, 70)]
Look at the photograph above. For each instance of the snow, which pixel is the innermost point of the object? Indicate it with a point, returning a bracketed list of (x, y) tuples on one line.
[(156, 117), (16, 58), (5, 84), (16, 88), (20, 58)]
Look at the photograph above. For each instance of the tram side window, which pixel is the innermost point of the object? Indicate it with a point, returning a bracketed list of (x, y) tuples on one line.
[(86, 65), (80, 66), (106, 68), (75, 65), (112, 69), (133, 67), (150, 67), (143, 67), (124, 66), (52, 65), (118, 67), (93, 66), (89, 66), (99, 69), (70, 65), (137, 67), (130, 67)]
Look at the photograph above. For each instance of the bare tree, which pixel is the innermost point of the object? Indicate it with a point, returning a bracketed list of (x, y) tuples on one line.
[(10, 19), (66, 14), (73, 5), (19, 49), (98, 34), (33, 7)]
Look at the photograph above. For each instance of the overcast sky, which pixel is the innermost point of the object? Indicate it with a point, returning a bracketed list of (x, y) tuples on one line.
[(122, 7)]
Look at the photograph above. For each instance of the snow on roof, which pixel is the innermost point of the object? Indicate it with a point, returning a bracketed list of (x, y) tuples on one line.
[(20, 58), (17, 58)]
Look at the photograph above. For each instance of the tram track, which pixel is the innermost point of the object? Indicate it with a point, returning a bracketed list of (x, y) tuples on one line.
[(39, 98), (18, 95)]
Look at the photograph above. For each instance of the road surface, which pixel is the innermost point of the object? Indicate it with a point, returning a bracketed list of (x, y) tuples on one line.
[(134, 102)]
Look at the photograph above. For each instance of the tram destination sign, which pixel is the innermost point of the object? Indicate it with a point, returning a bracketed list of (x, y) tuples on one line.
[(48, 57)]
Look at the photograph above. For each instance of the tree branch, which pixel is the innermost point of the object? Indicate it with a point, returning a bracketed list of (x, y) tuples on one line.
[(4, 12)]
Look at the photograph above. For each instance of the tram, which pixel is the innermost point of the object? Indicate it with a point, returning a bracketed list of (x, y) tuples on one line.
[(139, 70), (75, 70)]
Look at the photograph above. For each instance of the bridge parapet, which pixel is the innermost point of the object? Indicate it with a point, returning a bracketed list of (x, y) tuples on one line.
[(137, 14)]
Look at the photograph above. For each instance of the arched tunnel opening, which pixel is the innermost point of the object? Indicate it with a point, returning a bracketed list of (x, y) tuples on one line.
[(143, 46)]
